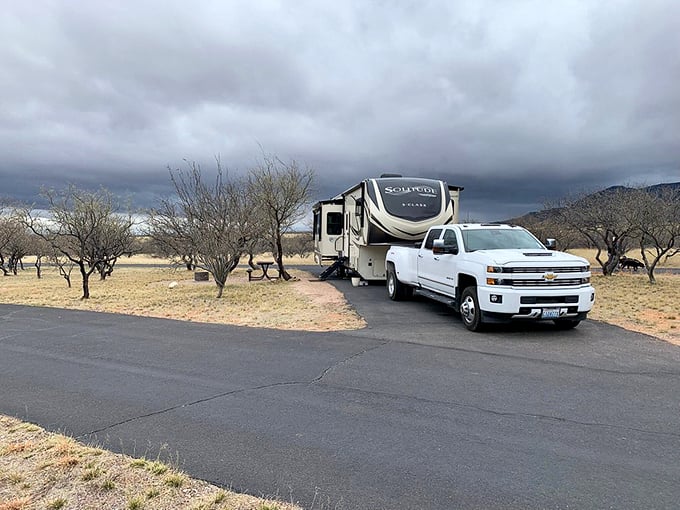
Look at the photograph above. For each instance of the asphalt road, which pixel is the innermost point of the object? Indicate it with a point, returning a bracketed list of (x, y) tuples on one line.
[(412, 412)]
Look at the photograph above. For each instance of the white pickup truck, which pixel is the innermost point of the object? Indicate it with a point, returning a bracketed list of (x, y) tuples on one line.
[(493, 273)]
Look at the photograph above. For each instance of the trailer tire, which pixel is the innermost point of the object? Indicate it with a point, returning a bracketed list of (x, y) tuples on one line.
[(470, 313), (396, 290)]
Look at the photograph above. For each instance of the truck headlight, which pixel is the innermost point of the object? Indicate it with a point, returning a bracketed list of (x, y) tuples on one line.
[(494, 269)]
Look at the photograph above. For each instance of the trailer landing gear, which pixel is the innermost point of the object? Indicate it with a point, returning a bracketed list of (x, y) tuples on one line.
[(337, 266)]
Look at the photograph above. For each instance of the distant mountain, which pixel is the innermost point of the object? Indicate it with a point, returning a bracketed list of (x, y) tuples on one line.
[(537, 216), (675, 186)]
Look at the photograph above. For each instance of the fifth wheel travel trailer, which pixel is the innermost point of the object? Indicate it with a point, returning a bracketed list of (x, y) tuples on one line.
[(353, 230)]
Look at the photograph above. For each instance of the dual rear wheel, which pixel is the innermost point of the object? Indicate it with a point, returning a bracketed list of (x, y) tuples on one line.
[(395, 289)]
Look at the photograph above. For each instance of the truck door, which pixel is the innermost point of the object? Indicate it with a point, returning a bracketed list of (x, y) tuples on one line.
[(428, 262)]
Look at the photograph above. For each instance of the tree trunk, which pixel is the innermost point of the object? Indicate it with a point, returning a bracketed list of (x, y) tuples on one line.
[(38, 265), (610, 266), (86, 281), (220, 289), (279, 259)]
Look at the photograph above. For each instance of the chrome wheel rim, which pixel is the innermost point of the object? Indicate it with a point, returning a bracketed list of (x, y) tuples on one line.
[(467, 309), (390, 285)]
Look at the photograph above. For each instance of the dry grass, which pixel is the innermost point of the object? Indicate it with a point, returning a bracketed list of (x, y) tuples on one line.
[(627, 299), (145, 291), (41, 470), (630, 301)]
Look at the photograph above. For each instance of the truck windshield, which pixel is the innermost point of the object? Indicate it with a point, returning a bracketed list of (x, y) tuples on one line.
[(499, 239)]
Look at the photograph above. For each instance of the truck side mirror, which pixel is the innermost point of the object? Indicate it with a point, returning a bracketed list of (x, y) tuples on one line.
[(439, 247), (551, 244)]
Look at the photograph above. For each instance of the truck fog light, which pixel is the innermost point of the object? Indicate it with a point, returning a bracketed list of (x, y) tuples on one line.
[(496, 298)]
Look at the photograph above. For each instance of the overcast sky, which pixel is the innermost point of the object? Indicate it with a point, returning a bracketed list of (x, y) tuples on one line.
[(517, 101)]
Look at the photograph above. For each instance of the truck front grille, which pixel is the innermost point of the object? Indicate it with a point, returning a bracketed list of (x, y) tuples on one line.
[(558, 282), (569, 269)]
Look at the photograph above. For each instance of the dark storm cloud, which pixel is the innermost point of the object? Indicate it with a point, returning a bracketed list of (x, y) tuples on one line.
[(517, 101)]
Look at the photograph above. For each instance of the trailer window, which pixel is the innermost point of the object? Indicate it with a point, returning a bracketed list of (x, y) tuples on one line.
[(334, 223), (317, 227)]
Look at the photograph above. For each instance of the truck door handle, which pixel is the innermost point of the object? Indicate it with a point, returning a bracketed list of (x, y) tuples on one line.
[(420, 256), (435, 258)]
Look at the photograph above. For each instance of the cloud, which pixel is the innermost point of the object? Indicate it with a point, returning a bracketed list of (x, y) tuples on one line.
[(533, 96)]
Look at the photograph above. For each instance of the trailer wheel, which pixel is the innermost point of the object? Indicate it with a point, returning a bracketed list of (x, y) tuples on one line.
[(470, 312), (395, 289)]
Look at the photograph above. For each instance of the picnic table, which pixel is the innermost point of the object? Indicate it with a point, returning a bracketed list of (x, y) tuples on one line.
[(264, 266)]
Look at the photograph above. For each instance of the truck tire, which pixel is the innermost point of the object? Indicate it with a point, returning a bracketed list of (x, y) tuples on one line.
[(470, 313), (395, 289)]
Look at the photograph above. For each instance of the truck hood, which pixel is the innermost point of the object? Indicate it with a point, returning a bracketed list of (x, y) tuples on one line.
[(526, 257)]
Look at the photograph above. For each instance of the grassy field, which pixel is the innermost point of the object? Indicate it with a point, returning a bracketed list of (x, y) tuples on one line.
[(146, 291), (627, 299), (44, 471), (39, 470)]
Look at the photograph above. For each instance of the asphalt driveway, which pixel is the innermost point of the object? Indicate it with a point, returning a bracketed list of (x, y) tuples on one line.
[(412, 412)]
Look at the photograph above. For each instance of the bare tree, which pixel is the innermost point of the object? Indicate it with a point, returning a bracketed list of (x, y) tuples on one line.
[(114, 240), (13, 241), (298, 244), (63, 264), (214, 220), (170, 236), (605, 220), (544, 226), (281, 192), (40, 249), (658, 226), (84, 227)]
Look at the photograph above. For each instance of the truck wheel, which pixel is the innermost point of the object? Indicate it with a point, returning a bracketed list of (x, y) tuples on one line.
[(469, 309), (566, 323), (395, 289)]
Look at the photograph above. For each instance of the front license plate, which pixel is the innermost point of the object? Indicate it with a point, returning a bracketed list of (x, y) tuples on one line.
[(550, 313)]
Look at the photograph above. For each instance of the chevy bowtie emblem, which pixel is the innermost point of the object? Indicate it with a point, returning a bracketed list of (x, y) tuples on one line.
[(549, 276)]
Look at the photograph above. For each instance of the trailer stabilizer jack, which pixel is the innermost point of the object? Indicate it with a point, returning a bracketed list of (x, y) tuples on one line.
[(338, 265)]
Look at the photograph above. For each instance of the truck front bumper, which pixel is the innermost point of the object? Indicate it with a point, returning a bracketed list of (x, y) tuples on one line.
[(507, 303)]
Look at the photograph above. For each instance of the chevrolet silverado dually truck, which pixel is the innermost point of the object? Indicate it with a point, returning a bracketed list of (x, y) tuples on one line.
[(492, 273)]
